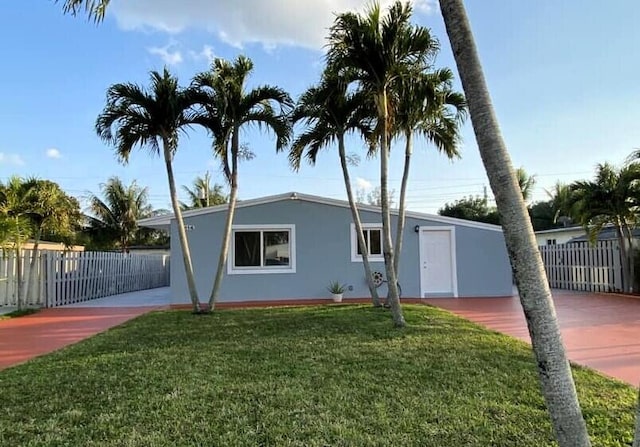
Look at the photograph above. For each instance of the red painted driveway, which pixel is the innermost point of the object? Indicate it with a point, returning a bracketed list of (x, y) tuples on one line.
[(30, 336), (601, 331)]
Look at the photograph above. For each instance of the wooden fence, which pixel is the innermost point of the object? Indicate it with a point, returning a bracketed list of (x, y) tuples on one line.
[(72, 277), (584, 267)]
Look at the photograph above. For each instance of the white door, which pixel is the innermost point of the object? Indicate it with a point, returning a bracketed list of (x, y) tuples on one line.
[(437, 262)]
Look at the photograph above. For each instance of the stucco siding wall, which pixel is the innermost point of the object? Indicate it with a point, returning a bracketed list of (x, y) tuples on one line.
[(323, 254)]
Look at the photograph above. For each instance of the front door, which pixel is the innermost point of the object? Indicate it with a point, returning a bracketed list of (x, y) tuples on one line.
[(437, 262)]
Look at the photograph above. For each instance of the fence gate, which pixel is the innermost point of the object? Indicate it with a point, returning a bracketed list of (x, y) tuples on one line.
[(583, 266)]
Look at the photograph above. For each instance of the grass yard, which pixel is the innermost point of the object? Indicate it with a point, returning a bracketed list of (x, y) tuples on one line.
[(18, 313), (310, 376)]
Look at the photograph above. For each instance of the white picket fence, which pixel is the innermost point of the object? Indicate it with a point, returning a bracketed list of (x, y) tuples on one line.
[(583, 266), (72, 277)]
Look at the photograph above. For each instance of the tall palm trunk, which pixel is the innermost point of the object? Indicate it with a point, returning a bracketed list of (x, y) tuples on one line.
[(18, 248), (182, 233), (28, 294), (387, 246), (375, 299), (554, 372), (402, 206), (624, 255), (231, 210), (631, 284)]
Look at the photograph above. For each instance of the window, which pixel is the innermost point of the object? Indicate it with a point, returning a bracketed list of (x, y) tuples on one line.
[(373, 238), (262, 249), (551, 242)]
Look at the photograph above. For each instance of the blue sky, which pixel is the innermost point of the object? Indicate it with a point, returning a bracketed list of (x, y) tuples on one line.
[(563, 77)]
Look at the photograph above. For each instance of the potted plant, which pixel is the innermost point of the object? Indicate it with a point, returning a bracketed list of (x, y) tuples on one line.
[(336, 289)]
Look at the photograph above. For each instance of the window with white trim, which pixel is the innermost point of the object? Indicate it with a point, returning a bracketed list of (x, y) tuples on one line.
[(262, 249), (372, 233)]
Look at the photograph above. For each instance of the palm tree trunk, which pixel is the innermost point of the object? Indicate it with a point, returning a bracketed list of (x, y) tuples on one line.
[(557, 383), (375, 299), (226, 238), (28, 294), (401, 206), (19, 287), (631, 286), (624, 255), (387, 246), (182, 233)]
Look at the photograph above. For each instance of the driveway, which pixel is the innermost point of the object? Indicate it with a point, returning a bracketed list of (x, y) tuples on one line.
[(601, 331), (33, 335)]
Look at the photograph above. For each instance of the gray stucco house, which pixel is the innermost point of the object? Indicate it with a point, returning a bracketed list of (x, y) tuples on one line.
[(290, 246)]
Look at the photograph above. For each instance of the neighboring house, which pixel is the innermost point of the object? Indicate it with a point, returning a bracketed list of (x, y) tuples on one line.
[(290, 246), (160, 250), (559, 235), (607, 234), (54, 246)]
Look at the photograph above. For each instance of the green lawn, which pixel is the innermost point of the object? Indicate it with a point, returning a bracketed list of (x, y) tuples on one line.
[(313, 376), (18, 313)]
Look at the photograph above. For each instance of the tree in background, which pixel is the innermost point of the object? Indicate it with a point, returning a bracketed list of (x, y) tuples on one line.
[(227, 108), (15, 226), (203, 194), (152, 118), (471, 208), (561, 202), (51, 212), (374, 197), (115, 216), (526, 183), (612, 198), (554, 372)]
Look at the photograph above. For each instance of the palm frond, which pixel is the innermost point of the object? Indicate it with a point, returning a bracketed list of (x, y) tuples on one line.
[(95, 9)]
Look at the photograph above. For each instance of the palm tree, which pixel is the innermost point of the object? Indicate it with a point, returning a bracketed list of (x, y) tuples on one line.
[(116, 215), (202, 194), (51, 211), (135, 116), (374, 52), (329, 112), (611, 199), (561, 203), (227, 107), (554, 372), (95, 9), (15, 225), (427, 106), (526, 183)]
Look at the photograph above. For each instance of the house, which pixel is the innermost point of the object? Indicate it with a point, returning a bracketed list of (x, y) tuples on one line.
[(290, 246), (559, 235), (606, 234), (575, 234), (51, 246)]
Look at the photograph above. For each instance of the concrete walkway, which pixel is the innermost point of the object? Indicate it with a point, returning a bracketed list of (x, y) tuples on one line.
[(141, 298), (33, 335), (601, 331)]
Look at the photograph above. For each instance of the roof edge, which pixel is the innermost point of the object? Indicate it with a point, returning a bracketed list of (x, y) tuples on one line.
[(165, 220)]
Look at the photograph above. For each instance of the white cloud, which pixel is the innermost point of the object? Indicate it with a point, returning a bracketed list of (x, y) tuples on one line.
[(168, 56), (362, 183), (11, 159), (274, 22), (206, 54), (52, 152)]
